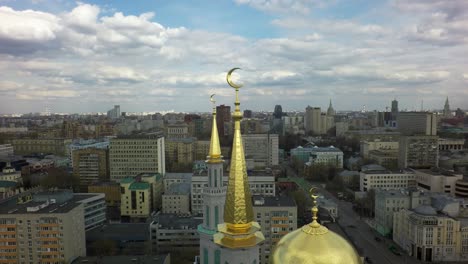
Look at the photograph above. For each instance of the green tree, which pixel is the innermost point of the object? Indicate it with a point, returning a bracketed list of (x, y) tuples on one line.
[(60, 178), (104, 247)]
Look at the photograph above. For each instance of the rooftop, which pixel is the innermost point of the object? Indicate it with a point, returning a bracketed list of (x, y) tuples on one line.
[(437, 172), (178, 175), (326, 149), (139, 186), (158, 259), (269, 201), (120, 231), (178, 189), (174, 221)]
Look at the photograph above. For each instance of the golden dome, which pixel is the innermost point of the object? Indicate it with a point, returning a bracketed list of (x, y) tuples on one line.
[(314, 244)]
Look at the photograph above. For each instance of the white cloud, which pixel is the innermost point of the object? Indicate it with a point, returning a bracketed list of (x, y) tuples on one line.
[(27, 25), (285, 6)]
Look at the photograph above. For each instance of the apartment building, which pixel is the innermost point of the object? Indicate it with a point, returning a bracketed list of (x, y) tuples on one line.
[(48, 231), (419, 152), (262, 149), (277, 216), (90, 165)]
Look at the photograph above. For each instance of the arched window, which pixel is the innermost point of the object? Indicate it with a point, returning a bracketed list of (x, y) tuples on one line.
[(216, 179), (217, 257), (216, 216), (207, 215)]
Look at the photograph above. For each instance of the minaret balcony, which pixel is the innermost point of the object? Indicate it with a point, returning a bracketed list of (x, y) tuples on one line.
[(214, 190)]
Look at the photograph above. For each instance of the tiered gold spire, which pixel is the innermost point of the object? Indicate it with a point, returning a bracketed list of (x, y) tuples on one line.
[(239, 229), (214, 156)]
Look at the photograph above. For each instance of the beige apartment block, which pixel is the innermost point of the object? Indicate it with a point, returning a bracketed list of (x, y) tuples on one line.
[(277, 216), (132, 155), (48, 232), (90, 165)]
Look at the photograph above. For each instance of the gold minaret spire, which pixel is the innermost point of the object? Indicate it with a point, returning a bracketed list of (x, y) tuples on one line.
[(239, 229), (214, 155)]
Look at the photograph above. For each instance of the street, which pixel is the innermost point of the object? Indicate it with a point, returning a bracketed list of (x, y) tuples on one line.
[(357, 230)]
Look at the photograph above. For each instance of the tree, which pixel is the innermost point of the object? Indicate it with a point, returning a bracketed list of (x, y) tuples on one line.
[(300, 197), (60, 178), (104, 247)]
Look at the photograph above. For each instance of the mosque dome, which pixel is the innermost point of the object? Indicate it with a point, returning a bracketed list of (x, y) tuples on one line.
[(314, 244)]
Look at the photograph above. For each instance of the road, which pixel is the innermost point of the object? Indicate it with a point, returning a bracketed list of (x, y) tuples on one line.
[(358, 231)]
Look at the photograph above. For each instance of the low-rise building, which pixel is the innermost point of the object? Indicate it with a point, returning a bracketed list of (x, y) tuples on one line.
[(6, 150), (387, 159), (10, 174), (94, 209), (384, 146), (434, 232), (174, 234), (451, 144), (140, 196), (176, 177), (176, 199), (329, 156), (57, 146), (379, 178), (437, 180), (277, 216), (387, 202), (111, 191), (329, 205)]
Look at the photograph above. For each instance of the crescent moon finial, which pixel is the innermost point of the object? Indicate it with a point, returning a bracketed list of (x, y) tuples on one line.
[(212, 99), (230, 82)]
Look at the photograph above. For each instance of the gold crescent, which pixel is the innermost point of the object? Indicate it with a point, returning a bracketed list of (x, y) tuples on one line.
[(229, 81), (212, 99)]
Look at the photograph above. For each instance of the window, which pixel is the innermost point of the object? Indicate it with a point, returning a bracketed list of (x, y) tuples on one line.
[(216, 216), (207, 215)]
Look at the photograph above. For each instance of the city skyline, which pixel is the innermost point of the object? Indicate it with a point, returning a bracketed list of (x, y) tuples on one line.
[(77, 57)]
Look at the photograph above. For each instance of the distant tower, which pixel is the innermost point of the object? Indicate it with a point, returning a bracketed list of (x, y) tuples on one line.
[(330, 111), (214, 195), (447, 112), (394, 109), (278, 112)]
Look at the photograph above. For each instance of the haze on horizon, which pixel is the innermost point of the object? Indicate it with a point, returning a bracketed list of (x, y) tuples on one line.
[(171, 55)]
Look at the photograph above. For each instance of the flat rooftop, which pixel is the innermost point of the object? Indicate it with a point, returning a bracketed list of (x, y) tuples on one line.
[(174, 221), (157, 259), (273, 201), (120, 231)]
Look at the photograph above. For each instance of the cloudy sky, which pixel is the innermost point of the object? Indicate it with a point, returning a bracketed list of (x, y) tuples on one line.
[(155, 55)]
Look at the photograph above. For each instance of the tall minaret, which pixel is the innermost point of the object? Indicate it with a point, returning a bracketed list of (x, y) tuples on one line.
[(239, 235), (214, 194), (447, 112)]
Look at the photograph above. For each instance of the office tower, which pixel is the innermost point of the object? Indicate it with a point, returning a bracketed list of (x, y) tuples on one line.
[(417, 123), (90, 165), (278, 113), (223, 115), (262, 148), (239, 237), (379, 178), (313, 120), (247, 113), (214, 195), (418, 152), (394, 109), (25, 146), (131, 155), (114, 113)]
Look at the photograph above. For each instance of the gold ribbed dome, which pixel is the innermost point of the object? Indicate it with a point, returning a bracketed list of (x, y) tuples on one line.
[(314, 244)]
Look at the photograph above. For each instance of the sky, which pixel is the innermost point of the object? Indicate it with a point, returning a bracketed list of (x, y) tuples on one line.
[(155, 55)]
